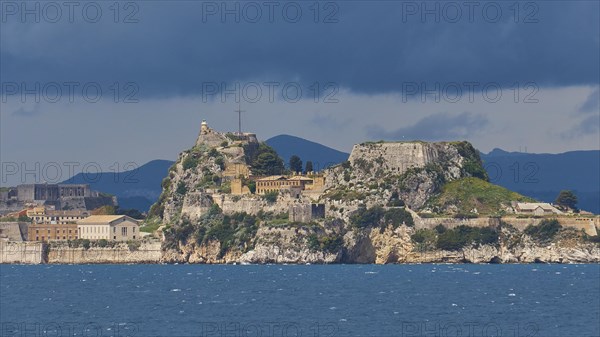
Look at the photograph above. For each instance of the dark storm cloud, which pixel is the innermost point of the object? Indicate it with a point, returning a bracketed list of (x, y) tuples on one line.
[(171, 51), (441, 126)]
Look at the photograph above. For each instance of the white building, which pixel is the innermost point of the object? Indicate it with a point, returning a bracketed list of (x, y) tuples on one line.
[(109, 227), (536, 208)]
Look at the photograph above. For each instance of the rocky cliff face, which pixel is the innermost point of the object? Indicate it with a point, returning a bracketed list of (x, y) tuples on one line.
[(374, 245)]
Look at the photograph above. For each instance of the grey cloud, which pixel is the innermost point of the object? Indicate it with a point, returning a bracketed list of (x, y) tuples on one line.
[(592, 103), (590, 125), (25, 112), (437, 127), (327, 122)]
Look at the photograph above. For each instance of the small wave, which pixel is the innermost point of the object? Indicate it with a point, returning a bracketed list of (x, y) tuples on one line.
[(174, 290)]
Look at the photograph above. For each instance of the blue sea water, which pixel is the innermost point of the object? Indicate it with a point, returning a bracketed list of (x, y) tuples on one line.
[(279, 300)]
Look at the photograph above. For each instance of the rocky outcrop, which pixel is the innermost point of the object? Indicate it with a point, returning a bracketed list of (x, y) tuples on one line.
[(411, 171)]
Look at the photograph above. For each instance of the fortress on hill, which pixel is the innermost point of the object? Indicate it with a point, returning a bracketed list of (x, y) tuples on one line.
[(238, 147)]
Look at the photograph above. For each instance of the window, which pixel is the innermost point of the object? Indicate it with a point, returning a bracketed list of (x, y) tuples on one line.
[(133, 230), (124, 231), (114, 229), (114, 237)]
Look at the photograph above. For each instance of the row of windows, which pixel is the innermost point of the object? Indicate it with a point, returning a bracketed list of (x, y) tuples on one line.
[(267, 190), (37, 231), (103, 230), (54, 218), (278, 183), (37, 238)]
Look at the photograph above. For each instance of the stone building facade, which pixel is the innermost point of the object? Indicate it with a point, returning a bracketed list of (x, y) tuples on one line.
[(109, 227), (43, 215), (52, 232), (306, 212), (276, 183), (51, 192)]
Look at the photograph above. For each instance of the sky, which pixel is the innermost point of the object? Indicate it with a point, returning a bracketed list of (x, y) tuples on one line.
[(107, 87)]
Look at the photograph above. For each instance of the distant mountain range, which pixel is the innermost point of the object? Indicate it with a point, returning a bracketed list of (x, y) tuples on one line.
[(321, 155), (138, 188), (540, 176)]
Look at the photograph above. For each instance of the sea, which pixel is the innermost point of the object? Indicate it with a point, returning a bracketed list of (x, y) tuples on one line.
[(300, 300)]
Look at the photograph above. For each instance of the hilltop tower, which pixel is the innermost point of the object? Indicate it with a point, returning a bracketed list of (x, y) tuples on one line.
[(208, 136), (204, 127)]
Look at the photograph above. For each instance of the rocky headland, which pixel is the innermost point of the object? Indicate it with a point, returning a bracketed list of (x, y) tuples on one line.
[(391, 202)]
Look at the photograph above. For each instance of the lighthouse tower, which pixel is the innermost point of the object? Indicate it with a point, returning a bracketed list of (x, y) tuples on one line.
[(204, 128)]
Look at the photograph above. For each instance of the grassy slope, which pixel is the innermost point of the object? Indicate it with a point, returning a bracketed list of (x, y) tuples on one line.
[(469, 193)]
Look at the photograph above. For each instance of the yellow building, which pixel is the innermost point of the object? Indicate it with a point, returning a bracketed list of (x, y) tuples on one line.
[(276, 183), (52, 232), (238, 188), (43, 215), (109, 227)]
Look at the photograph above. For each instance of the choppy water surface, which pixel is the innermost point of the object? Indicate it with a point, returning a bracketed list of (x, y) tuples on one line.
[(275, 300)]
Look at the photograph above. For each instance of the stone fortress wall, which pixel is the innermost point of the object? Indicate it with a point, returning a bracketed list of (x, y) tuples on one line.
[(589, 225), (397, 157)]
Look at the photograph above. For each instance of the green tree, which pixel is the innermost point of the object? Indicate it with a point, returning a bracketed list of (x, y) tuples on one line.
[(271, 196), (268, 163), (567, 199), (181, 188), (24, 218), (131, 212), (309, 166), (252, 186), (295, 164), (264, 160), (363, 217)]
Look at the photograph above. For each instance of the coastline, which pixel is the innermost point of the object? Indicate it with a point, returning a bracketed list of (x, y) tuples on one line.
[(26, 253)]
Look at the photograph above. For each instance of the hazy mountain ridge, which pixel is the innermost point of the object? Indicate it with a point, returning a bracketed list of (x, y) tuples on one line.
[(322, 156), (138, 188)]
